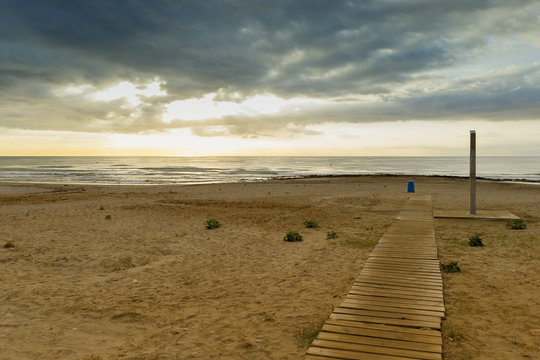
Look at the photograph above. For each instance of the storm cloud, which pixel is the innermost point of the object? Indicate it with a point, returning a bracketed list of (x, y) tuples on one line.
[(365, 61)]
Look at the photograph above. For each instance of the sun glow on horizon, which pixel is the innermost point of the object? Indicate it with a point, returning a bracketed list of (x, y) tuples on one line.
[(417, 138)]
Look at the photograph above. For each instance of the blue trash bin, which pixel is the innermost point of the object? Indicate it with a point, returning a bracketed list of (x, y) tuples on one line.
[(410, 186)]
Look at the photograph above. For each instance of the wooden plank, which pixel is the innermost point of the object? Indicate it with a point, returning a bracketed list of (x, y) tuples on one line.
[(411, 226), (410, 269), (407, 262), (408, 227), (384, 314), (398, 291), (391, 250), (387, 294), (411, 250), (407, 244), (415, 249), (423, 262), (428, 335), (420, 263), (428, 241), (315, 357), (351, 355), (404, 309), (406, 237), (404, 261), (413, 303), (411, 276), (388, 321), (385, 285), (409, 232), (400, 274), (412, 241), (377, 303), (379, 337), (393, 281), (396, 255), (407, 254), (341, 345)]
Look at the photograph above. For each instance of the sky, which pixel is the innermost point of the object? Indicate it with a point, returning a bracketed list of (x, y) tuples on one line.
[(239, 77)]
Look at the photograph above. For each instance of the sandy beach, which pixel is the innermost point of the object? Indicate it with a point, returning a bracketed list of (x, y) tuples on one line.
[(131, 272)]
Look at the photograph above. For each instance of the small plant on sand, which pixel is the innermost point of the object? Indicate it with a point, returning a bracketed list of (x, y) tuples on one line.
[(516, 224), (451, 267), (311, 224), (9, 245), (476, 240), (293, 236), (307, 334), (212, 224), (101, 208), (108, 217), (331, 235)]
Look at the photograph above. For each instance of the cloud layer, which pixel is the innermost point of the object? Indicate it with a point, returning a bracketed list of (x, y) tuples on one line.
[(366, 61)]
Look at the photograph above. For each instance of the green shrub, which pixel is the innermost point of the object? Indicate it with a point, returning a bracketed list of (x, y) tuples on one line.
[(311, 224), (212, 224), (293, 236), (108, 217), (476, 240), (331, 235), (451, 267), (516, 224)]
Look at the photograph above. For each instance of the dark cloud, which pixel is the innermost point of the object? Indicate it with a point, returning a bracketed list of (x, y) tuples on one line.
[(320, 49)]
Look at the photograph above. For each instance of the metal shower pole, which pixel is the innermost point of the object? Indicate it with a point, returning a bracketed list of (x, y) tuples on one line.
[(472, 177)]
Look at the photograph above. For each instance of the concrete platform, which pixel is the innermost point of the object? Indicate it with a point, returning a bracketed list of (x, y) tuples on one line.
[(480, 215)]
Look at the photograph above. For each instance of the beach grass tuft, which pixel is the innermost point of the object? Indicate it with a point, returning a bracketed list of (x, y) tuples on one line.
[(311, 224), (358, 241), (451, 267), (476, 240), (212, 224), (9, 244), (108, 217), (516, 224), (307, 334), (331, 235), (292, 236)]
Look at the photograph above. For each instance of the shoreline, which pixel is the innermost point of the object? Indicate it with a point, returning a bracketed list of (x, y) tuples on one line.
[(256, 181)]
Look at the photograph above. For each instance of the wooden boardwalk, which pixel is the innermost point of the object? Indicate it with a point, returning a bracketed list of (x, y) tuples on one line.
[(395, 307)]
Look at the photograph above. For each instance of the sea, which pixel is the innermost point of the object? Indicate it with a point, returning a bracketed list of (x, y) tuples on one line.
[(216, 169)]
